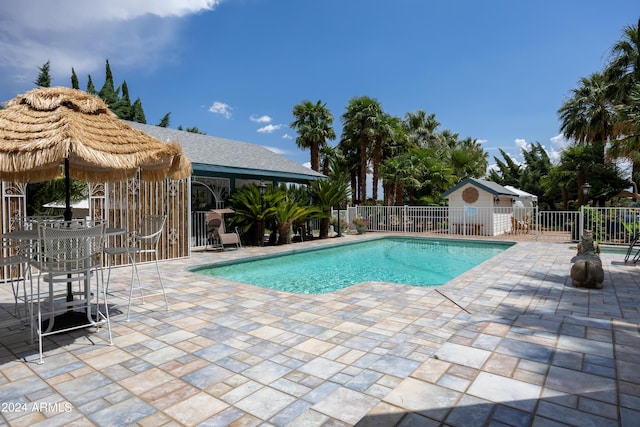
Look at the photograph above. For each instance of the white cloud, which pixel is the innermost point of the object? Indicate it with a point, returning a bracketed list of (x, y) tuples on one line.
[(221, 108), (558, 143), (522, 144), (269, 128), (261, 119), (287, 136), (82, 36)]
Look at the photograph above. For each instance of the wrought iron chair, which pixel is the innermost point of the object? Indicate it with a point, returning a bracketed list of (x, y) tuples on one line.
[(67, 255), (14, 261), (144, 240)]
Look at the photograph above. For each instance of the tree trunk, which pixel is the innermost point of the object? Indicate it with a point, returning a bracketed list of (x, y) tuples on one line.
[(388, 194), (284, 234), (256, 233), (399, 194), (354, 187), (374, 189), (362, 196), (315, 157), (581, 181), (324, 227)]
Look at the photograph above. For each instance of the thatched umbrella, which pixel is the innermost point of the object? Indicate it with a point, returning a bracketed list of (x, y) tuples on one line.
[(49, 129)]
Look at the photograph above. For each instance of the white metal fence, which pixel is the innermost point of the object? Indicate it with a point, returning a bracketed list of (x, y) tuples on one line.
[(614, 226)]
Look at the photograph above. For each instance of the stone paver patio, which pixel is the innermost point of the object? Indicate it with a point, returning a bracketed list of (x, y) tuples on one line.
[(509, 343)]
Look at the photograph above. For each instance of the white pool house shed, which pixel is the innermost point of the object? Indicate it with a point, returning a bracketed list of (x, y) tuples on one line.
[(484, 208)]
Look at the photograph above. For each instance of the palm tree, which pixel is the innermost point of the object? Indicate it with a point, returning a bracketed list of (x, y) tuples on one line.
[(360, 126), (314, 126), (467, 158), (623, 70), (326, 194), (392, 172), (337, 166), (288, 212), (389, 130), (604, 178), (421, 128), (588, 116), (253, 209), (629, 126)]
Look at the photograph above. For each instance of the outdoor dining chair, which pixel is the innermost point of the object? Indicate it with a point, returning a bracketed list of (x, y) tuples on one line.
[(14, 261), (67, 255), (141, 242)]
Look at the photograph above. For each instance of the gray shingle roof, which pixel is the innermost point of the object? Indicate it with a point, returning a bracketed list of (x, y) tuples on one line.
[(489, 186), (210, 154)]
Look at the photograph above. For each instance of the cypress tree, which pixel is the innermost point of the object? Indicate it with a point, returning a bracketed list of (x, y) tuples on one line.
[(90, 87), (137, 113), (108, 92), (164, 122), (74, 79), (122, 107)]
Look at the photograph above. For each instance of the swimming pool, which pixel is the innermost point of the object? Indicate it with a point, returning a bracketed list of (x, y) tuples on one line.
[(410, 261)]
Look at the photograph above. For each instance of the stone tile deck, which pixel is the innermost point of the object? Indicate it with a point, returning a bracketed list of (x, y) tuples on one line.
[(509, 343)]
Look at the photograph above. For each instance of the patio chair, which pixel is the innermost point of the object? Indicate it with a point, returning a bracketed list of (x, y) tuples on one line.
[(67, 255), (229, 239), (217, 236), (14, 261), (213, 221), (633, 243), (518, 226), (144, 240)]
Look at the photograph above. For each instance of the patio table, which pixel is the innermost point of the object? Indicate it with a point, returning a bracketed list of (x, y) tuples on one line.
[(31, 235)]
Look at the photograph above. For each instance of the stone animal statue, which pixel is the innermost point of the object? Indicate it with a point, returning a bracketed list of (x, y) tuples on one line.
[(586, 270)]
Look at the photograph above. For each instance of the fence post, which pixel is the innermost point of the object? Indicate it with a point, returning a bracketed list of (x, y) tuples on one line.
[(536, 221), (581, 222), (404, 219)]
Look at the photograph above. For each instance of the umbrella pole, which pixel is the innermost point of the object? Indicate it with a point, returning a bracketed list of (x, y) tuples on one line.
[(68, 214)]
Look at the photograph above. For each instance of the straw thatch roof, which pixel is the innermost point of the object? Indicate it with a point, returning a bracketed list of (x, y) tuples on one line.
[(43, 127)]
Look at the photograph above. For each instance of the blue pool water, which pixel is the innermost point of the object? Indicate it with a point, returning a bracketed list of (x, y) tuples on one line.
[(411, 261)]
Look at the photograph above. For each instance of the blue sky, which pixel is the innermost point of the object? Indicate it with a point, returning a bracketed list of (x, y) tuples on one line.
[(496, 71)]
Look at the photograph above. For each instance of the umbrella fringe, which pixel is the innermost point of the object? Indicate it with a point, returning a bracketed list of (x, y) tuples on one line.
[(45, 126)]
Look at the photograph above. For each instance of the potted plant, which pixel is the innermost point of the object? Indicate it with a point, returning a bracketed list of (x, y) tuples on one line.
[(361, 224)]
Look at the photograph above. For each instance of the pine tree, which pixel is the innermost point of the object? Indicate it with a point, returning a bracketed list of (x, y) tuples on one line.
[(74, 79), (508, 172), (44, 78), (164, 122)]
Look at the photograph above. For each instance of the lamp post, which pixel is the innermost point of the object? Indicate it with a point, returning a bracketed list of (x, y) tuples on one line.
[(339, 232), (586, 189), (262, 187)]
